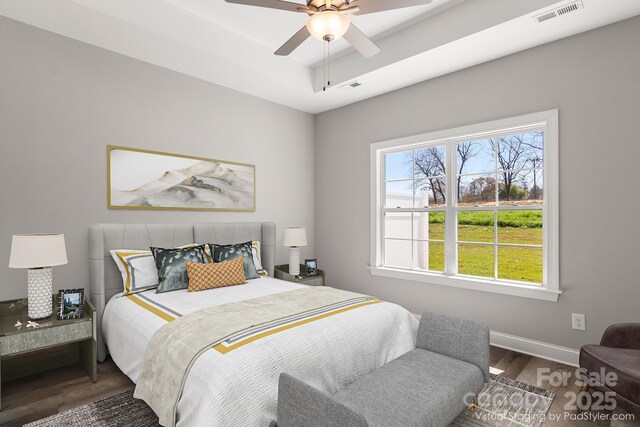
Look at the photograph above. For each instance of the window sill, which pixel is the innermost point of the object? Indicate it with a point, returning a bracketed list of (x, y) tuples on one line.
[(524, 291)]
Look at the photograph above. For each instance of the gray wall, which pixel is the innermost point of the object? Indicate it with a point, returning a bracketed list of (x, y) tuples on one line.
[(62, 102), (593, 80)]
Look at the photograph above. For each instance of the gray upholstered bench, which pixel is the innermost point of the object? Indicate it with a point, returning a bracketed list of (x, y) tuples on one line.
[(428, 386)]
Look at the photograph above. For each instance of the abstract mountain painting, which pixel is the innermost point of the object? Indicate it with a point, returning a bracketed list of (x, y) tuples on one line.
[(141, 179)]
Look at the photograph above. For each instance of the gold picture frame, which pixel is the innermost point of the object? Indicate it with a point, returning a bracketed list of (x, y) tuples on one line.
[(155, 180)]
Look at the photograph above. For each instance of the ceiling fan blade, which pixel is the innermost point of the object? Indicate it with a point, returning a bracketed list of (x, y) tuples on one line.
[(295, 41), (271, 4), (360, 41), (372, 6), (349, 9)]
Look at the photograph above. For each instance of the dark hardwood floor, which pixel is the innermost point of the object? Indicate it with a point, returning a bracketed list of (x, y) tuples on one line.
[(31, 398)]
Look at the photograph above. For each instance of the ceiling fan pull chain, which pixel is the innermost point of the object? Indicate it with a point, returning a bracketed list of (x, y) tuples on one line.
[(329, 63), (324, 67)]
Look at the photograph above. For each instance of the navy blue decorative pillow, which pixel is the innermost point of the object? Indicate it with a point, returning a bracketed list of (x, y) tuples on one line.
[(228, 252), (172, 266)]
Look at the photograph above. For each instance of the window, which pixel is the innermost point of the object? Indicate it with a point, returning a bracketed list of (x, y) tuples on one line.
[(472, 207)]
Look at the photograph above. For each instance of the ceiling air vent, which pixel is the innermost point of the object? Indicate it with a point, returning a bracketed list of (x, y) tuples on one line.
[(569, 8), (562, 10), (351, 85), (546, 16)]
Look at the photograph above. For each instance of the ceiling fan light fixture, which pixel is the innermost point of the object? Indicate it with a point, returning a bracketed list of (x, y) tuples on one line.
[(328, 25)]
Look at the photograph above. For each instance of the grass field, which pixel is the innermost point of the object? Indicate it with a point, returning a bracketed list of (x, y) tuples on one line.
[(514, 227)]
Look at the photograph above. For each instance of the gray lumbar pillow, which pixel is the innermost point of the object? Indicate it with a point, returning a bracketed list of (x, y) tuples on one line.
[(172, 266), (221, 253)]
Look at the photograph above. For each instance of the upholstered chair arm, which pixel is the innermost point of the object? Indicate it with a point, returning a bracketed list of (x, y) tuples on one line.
[(622, 335), (461, 339), (299, 404)]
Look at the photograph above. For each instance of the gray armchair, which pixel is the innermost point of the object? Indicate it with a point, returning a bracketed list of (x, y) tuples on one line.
[(618, 353)]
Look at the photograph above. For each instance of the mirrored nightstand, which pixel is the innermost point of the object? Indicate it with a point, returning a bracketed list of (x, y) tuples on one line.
[(27, 351), (282, 272)]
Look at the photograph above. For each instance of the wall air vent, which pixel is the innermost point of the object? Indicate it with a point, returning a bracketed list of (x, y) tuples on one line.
[(557, 12)]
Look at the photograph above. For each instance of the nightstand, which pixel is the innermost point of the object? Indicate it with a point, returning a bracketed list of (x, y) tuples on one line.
[(282, 272), (54, 343)]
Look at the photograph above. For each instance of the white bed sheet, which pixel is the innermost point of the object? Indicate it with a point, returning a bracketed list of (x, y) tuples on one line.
[(239, 388)]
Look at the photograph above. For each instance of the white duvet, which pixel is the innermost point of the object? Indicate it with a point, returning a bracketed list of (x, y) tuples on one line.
[(239, 388)]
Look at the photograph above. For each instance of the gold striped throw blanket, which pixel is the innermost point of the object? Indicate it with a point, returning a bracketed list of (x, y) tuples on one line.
[(175, 347)]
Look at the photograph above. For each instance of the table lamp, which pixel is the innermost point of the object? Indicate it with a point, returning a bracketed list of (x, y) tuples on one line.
[(38, 253), (294, 237)]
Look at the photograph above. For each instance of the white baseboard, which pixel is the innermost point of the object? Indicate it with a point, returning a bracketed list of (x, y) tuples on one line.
[(543, 350)]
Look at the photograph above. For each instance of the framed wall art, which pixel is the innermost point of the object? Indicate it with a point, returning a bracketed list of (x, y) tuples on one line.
[(144, 179)]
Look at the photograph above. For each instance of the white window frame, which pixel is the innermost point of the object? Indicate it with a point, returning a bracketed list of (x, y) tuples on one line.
[(549, 290)]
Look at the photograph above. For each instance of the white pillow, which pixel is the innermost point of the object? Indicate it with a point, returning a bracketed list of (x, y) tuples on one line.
[(257, 260), (138, 269)]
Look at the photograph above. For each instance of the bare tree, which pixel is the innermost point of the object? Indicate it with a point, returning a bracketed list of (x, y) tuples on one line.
[(430, 168), (429, 172), (513, 153), (466, 150)]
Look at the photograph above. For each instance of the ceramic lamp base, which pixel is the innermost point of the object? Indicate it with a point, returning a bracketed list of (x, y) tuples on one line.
[(39, 293), (294, 260)]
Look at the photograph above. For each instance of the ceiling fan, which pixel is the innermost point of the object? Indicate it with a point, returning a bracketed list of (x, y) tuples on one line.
[(328, 20)]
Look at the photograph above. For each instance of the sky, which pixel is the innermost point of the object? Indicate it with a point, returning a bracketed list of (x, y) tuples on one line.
[(398, 165)]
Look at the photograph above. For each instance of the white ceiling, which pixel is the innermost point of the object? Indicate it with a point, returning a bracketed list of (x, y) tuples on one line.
[(233, 45), (271, 28)]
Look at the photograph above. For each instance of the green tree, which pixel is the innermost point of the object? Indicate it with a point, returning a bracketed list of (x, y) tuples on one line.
[(515, 193), (481, 189)]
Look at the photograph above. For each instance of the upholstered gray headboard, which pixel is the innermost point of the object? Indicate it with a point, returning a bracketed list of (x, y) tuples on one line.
[(105, 278)]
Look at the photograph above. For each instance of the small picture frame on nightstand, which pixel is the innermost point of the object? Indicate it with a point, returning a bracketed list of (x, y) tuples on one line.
[(70, 304), (311, 266)]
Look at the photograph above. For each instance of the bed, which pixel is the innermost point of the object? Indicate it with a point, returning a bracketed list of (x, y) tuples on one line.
[(236, 387)]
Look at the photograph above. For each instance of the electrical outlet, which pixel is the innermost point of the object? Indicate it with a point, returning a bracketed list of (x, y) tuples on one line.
[(577, 321)]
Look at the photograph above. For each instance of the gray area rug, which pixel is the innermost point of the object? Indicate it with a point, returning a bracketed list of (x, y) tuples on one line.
[(503, 402), (508, 403), (119, 410)]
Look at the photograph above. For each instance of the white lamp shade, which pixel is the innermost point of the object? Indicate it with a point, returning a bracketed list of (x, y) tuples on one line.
[(294, 236), (328, 23), (37, 250)]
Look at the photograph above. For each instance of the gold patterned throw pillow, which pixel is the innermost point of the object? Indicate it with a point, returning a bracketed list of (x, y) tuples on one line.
[(215, 275)]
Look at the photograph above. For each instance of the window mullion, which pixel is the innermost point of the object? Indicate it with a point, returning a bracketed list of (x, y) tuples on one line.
[(381, 256), (495, 244), (413, 200), (450, 227)]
